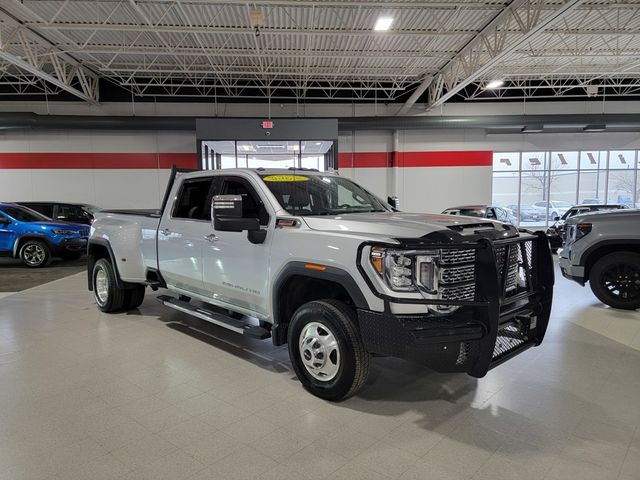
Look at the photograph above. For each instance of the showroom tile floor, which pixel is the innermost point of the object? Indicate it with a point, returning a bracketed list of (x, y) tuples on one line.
[(137, 396)]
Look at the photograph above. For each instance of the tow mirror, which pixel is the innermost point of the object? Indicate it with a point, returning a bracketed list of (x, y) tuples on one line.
[(226, 212), (394, 202)]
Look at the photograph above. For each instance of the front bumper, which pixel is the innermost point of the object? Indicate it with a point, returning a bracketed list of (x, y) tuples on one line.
[(481, 334), (570, 271), (71, 246)]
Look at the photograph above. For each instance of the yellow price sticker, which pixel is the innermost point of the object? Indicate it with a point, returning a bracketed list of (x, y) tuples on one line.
[(285, 178)]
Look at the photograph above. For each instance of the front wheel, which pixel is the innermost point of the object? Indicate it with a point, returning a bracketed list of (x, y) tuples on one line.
[(326, 349), (35, 253), (615, 280)]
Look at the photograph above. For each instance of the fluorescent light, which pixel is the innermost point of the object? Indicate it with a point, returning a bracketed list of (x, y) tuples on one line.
[(383, 24), (494, 84), (246, 148), (293, 148)]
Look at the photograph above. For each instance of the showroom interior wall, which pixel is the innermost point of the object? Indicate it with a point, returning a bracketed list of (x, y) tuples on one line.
[(105, 168), (428, 169)]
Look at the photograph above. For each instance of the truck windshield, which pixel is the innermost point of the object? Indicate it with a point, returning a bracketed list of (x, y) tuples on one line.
[(22, 214), (321, 195)]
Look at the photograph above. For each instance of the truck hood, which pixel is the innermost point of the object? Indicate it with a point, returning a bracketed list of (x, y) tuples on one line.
[(399, 224), (606, 216)]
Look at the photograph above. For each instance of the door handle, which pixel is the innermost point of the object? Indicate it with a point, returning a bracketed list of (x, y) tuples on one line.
[(166, 232), (211, 238)]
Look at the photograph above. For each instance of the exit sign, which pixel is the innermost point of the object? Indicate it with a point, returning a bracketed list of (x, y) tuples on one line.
[(267, 124)]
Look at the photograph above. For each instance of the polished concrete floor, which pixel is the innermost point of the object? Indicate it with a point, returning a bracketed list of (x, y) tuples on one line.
[(84, 395), (15, 277)]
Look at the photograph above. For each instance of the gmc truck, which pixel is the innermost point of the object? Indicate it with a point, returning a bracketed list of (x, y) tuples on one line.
[(604, 250), (312, 260)]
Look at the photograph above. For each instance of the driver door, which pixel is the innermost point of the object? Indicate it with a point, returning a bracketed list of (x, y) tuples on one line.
[(236, 271), (7, 234)]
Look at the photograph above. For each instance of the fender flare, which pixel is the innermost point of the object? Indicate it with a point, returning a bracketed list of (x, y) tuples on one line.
[(332, 274), (91, 262), (35, 236)]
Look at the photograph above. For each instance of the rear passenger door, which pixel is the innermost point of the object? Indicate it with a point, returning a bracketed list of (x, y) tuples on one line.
[(182, 235)]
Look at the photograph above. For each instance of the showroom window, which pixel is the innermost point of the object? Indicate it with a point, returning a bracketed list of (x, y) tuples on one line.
[(539, 186)]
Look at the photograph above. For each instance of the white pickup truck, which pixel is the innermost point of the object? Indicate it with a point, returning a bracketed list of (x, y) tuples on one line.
[(317, 262)]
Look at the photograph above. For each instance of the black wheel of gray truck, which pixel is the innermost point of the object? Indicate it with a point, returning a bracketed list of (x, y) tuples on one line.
[(35, 253), (133, 297), (326, 349), (109, 297), (615, 280)]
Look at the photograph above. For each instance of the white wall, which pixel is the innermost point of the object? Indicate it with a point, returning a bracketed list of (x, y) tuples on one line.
[(106, 187), (420, 188)]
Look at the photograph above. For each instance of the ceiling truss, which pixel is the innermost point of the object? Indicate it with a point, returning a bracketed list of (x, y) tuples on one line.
[(321, 49)]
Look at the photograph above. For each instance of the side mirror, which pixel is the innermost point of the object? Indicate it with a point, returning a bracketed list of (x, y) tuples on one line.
[(4, 221), (394, 202), (556, 218), (226, 212)]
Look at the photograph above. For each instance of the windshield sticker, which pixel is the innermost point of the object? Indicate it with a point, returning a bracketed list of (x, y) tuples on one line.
[(285, 178)]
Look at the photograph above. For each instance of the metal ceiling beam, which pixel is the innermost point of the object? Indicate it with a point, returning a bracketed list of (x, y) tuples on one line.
[(44, 60), (131, 27), (493, 44)]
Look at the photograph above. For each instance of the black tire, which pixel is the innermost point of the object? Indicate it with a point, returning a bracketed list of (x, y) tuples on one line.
[(35, 254), (71, 256), (615, 280), (352, 362), (133, 297), (112, 299)]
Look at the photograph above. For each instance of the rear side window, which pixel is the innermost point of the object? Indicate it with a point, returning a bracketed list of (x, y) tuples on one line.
[(193, 198), (70, 212), (43, 208)]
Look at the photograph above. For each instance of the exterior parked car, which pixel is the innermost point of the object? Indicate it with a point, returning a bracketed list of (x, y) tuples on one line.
[(80, 213), (35, 239), (556, 208), (603, 248), (556, 232), (525, 213), (484, 211)]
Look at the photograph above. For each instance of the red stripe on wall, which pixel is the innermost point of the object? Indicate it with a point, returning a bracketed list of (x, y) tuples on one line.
[(96, 160), (463, 158), (364, 160)]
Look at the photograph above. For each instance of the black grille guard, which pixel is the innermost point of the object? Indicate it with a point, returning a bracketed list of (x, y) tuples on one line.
[(490, 308)]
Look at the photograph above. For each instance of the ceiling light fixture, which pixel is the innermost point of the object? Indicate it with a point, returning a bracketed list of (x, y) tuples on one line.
[(383, 24), (493, 84)]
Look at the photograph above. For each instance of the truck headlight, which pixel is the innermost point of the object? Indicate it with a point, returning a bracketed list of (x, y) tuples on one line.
[(436, 274), (583, 229), (64, 232), (406, 270)]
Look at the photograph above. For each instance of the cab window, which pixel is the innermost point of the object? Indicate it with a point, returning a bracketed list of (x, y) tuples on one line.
[(192, 199), (252, 205)]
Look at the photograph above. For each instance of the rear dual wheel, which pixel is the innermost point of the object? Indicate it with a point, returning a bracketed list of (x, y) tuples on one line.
[(108, 295)]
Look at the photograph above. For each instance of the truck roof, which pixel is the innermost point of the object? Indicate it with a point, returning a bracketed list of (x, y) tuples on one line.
[(261, 171)]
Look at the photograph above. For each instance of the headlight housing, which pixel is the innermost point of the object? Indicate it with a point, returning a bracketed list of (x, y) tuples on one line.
[(64, 232), (582, 229), (447, 274)]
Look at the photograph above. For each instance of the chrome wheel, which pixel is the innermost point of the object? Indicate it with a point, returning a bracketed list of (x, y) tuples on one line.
[(319, 351), (34, 254), (101, 286)]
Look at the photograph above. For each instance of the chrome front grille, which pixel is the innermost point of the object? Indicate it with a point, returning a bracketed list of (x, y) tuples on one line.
[(457, 256), (457, 274), (464, 273), (458, 292)]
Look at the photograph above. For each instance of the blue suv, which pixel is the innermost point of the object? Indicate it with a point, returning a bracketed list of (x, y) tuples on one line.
[(35, 239)]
